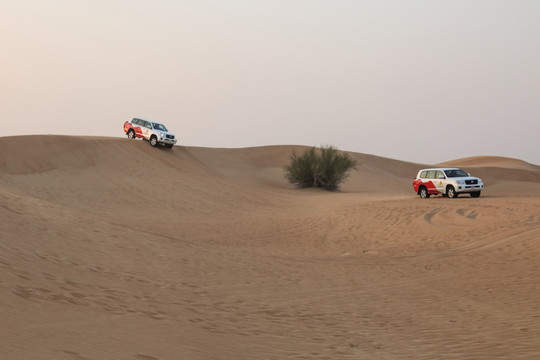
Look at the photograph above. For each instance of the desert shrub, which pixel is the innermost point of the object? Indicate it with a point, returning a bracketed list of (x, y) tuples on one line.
[(325, 167)]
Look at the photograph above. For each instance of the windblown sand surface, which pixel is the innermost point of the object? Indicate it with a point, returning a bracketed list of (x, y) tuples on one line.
[(111, 249)]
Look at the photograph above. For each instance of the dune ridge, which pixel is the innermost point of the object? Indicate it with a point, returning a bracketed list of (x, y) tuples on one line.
[(492, 161), (112, 249)]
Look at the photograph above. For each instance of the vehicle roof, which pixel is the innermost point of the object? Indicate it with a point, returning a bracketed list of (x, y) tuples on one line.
[(153, 122), (441, 168)]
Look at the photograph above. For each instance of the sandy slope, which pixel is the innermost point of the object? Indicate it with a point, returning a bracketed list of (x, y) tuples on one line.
[(492, 161), (111, 249)]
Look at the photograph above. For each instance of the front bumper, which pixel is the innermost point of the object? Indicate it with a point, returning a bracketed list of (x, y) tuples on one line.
[(469, 188), (167, 139)]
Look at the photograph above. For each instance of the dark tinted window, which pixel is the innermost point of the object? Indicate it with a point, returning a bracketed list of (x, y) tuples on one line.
[(456, 173), (159, 127)]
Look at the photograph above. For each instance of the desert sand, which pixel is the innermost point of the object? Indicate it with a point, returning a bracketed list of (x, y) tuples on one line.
[(112, 249)]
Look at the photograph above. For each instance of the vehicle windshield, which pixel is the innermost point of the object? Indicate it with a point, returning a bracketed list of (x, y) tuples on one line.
[(159, 127), (455, 173)]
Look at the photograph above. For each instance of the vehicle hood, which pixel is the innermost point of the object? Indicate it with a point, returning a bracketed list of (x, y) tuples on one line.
[(164, 132)]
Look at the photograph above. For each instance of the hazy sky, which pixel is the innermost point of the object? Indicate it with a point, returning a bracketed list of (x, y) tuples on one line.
[(423, 81)]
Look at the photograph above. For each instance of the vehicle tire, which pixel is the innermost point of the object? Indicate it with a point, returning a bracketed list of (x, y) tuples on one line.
[(131, 134), (451, 192), (475, 194), (424, 193), (153, 141)]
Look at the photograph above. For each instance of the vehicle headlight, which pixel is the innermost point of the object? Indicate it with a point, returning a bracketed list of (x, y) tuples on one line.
[(460, 182)]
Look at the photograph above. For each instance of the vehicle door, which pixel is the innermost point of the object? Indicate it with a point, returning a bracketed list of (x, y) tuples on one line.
[(136, 124), (429, 181), (440, 181), (146, 129)]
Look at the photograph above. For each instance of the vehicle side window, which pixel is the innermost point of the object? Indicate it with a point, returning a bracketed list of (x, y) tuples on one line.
[(148, 125), (431, 174), (439, 174), (136, 121), (423, 174)]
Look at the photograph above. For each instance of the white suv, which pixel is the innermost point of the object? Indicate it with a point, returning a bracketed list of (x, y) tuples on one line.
[(446, 181), (154, 132)]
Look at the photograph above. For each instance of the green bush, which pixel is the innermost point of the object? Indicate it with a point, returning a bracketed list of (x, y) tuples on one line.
[(325, 167)]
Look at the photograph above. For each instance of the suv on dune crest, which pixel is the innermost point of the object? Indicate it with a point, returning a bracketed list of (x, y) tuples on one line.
[(153, 132), (446, 181)]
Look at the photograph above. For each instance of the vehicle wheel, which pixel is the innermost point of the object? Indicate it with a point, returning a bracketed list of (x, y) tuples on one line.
[(451, 192), (153, 140), (424, 193), (131, 134), (475, 194)]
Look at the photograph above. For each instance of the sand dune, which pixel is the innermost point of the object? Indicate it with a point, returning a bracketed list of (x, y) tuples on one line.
[(111, 249), (492, 161)]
